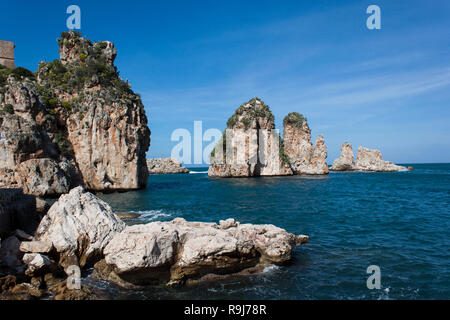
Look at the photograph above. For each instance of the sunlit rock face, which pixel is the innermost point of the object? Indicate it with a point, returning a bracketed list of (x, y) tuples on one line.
[(173, 252), (304, 157), (345, 160), (250, 146), (369, 160), (165, 166), (73, 122)]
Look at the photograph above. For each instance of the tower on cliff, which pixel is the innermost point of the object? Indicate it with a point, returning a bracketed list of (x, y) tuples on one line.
[(7, 54)]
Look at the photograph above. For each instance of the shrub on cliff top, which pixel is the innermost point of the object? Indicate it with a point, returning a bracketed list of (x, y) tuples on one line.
[(295, 119), (257, 109), (18, 73), (92, 68)]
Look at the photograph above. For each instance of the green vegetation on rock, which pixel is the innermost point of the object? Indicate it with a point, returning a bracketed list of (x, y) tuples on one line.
[(283, 156), (295, 119), (18, 73), (249, 112), (8, 108)]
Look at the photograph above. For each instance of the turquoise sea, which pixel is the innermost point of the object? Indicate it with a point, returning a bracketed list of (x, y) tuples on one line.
[(398, 221)]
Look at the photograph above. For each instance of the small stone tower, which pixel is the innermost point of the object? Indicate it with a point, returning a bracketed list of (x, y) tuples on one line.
[(7, 54)]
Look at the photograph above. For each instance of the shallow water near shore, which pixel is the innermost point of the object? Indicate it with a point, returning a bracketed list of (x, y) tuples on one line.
[(398, 221)]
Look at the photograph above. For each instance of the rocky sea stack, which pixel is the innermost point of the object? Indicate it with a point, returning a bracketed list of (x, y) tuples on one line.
[(369, 160), (73, 122), (254, 146), (304, 157), (165, 166)]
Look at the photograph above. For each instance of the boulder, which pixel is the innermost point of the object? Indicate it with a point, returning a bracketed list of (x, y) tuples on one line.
[(36, 246), (10, 255), (79, 225), (172, 252), (43, 177), (37, 263)]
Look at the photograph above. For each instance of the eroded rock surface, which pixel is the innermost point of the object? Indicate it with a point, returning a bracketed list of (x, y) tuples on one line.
[(74, 122), (78, 226), (304, 157), (171, 252), (250, 146), (369, 160), (345, 161), (165, 166)]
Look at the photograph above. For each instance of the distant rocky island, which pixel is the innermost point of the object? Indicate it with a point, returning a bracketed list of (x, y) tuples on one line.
[(366, 160), (165, 166), (257, 149)]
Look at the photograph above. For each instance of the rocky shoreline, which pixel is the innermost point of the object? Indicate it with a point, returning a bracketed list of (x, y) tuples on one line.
[(81, 230)]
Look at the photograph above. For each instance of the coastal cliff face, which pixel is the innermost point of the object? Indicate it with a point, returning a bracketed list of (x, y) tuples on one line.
[(304, 157), (165, 166), (370, 160), (250, 146), (74, 122)]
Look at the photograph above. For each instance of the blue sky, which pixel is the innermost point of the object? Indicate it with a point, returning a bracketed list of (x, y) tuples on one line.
[(199, 60)]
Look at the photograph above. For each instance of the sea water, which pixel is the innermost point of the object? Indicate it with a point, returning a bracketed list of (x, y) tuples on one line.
[(397, 221)]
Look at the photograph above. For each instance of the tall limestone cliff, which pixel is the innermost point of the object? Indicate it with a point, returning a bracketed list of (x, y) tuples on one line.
[(73, 122), (250, 146), (304, 157)]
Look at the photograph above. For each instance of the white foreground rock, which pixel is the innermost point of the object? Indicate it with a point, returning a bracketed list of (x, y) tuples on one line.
[(171, 252), (79, 225)]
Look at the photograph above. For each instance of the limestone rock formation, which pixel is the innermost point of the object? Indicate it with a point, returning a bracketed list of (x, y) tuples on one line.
[(43, 177), (304, 157), (345, 161), (369, 160), (372, 160), (250, 146), (165, 166), (76, 115), (78, 226), (172, 252)]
